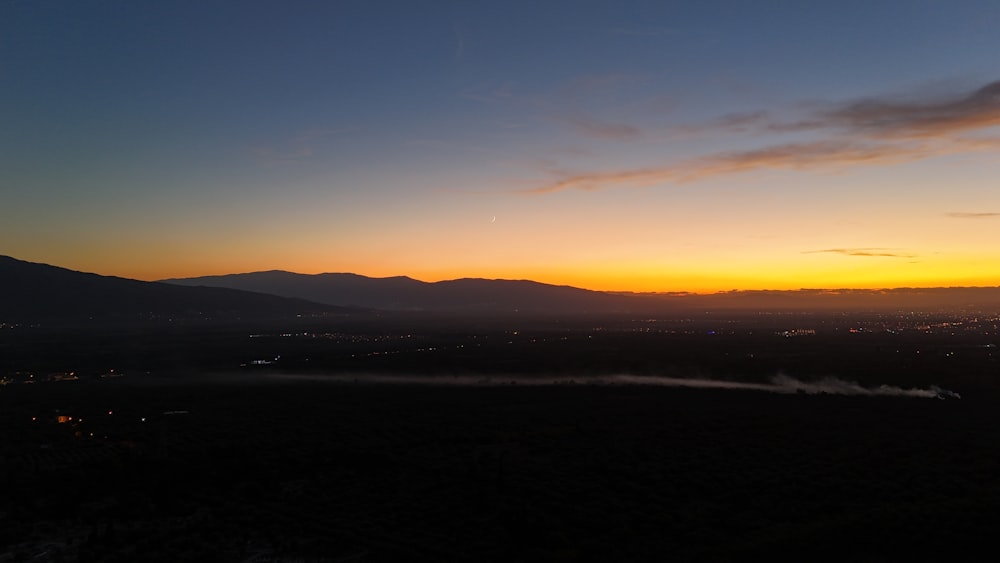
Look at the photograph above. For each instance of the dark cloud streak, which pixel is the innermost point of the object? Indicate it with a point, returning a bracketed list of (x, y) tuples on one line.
[(868, 132), (962, 215), (866, 252), (788, 156), (891, 118), (976, 110)]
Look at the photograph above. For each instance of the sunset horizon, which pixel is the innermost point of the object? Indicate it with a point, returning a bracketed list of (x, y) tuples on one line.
[(583, 283), (622, 280), (642, 148)]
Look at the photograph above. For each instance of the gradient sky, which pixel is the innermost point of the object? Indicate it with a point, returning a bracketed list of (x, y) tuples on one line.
[(647, 146)]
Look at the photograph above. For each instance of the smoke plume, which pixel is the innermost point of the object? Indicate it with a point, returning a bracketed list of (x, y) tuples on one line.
[(780, 383)]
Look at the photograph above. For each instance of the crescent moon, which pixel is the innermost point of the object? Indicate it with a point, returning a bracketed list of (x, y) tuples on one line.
[(494, 219)]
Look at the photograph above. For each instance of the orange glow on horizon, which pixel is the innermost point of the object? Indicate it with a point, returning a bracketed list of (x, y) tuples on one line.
[(640, 280), (704, 269)]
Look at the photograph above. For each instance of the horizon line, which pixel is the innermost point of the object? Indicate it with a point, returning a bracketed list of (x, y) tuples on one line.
[(678, 293)]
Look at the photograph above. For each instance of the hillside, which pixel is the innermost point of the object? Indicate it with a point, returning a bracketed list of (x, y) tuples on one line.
[(31, 292)]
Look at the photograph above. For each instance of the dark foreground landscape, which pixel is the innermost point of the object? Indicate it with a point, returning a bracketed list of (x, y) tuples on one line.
[(423, 438), (321, 472)]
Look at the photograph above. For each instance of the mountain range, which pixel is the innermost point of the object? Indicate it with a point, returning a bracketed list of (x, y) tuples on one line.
[(31, 291), (508, 296), (407, 294)]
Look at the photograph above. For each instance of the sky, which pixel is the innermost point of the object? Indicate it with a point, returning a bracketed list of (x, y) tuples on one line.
[(634, 146)]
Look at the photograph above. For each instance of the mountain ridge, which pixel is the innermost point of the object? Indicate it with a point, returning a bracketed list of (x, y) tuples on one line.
[(32, 291), (406, 293), (35, 290), (489, 295)]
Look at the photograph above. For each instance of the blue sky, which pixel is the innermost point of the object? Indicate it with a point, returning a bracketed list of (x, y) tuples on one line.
[(638, 145)]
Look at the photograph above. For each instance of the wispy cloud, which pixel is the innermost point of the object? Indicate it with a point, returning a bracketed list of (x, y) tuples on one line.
[(806, 155), (966, 215), (829, 154), (908, 119), (598, 180), (867, 252), (883, 118), (593, 104), (860, 133)]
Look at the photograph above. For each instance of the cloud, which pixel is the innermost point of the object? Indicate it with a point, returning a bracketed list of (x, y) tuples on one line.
[(885, 118), (964, 215), (830, 154), (872, 132), (805, 155), (870, 252), (909, 119), (599, 180)]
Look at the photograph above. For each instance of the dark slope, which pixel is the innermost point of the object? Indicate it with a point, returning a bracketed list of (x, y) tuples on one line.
[(31, 292), (403, 293)]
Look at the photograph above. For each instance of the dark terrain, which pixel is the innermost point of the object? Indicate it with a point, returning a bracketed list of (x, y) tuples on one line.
[(155, 423), (225, 441), (484, 296), (35, 293)]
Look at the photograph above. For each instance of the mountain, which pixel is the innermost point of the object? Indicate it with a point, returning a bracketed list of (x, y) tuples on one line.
[(498, 296), (407, 294), (32, 292)]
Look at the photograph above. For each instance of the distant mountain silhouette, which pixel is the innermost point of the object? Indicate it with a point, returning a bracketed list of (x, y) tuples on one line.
[(407, 294), (33, 292), (497, 296)]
